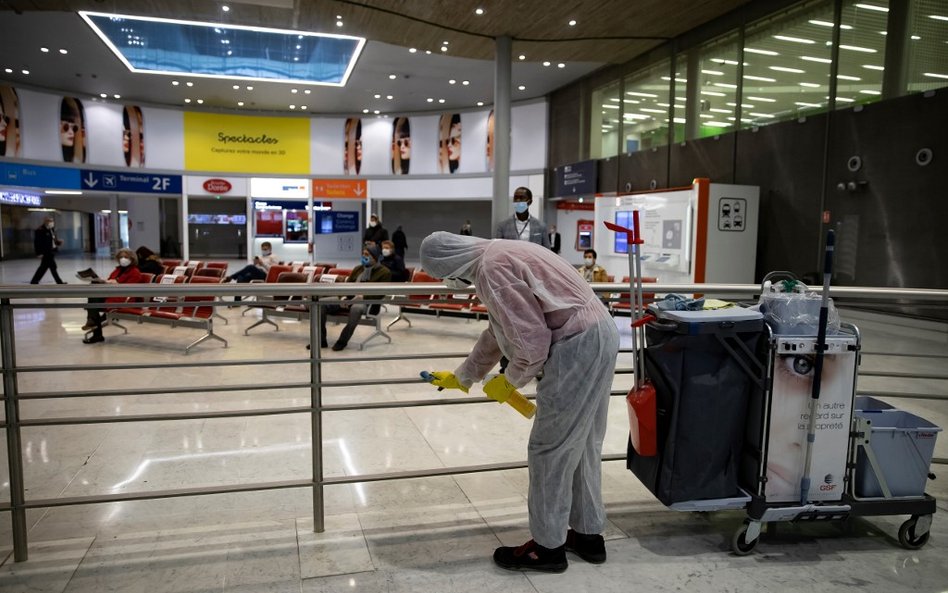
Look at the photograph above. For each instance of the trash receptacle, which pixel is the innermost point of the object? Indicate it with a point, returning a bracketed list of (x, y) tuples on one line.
[(903, 445), (871, 404)]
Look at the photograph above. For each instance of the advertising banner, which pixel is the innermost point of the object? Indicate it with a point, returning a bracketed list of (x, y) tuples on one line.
[(237, 143)]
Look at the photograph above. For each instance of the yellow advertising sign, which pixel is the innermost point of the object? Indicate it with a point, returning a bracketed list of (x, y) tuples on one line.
[(246, 144)]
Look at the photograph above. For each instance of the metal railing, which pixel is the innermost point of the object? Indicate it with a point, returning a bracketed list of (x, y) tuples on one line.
[(312, 296)]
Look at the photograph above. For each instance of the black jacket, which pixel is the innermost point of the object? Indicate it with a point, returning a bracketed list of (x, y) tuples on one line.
[(400, 242), (375, 234), (45, 241), (396, 266)]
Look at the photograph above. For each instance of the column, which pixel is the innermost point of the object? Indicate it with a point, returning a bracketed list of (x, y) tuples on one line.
[(502, 82)]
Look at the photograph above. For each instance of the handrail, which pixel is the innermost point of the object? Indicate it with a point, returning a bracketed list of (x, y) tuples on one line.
[(318, 290), (20, 297)]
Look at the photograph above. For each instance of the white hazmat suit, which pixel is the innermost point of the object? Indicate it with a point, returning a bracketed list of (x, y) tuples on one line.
[(543, 315)]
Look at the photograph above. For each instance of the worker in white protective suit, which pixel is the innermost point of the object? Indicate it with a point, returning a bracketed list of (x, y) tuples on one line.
[(543, 316)]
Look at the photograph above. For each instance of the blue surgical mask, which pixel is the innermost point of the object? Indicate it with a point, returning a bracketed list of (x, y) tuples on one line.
[(366, 260), (520, 207)]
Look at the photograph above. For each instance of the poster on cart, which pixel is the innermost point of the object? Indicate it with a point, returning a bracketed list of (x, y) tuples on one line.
[(789, 415)]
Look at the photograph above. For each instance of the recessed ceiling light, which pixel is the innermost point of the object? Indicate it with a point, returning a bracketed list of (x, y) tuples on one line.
[(307, 91), (365, 111), (338, 23), (63, 51), (240, 103), (377, 96), (444, 43), (546, 63), (452, 81), (292, 106), (430, 100), (522, 57), (794, 39), (298, 46), (339, 17), (561, 65), (392, 76), (294, 91), (249, 88), (465, 82), (847, 77), (225, 8), (376, 112), (522, 88), (303, 107), (763, 52), (440, 100), (572, 23), (811, 85), (117, 96), (872, 67), (444, 48), (428, 52), (24, 71), (412, 50), (296, 58), (389, 97), (189, 83), (480, 103), (785, 69), (8, 70), (938, 17), (45, 50), (873, 7), (103, 95), (187, 100), (865, 50), (478, 11), (236, 86), (200, 101)]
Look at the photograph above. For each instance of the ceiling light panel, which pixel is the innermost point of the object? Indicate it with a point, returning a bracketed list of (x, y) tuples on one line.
[(214, 50)]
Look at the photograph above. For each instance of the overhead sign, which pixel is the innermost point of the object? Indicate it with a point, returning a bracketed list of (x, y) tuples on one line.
[(120, 181), (267, 187), (241, 143), (340, 188), (20, 198), (577, 179), (37, 176)]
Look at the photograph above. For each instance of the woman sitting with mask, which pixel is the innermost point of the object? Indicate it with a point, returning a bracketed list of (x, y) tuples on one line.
[(126, 272), (394, 262)]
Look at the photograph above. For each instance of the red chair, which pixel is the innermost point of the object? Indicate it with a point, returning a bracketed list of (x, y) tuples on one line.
[(416, 301), (339, 272), (218, 265), (209, 273), (325, 265)]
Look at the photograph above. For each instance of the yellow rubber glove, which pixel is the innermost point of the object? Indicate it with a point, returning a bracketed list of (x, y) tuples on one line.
[(501, 390), (447, 380)]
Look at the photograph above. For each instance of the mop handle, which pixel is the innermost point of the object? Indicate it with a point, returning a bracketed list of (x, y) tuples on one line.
[(639, 298), (818, 364)]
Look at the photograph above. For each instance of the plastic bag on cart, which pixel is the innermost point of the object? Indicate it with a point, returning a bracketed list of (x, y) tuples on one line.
[(797, 313)]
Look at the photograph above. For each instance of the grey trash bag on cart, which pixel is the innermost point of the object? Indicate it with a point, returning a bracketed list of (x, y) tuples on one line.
[(703, 385)]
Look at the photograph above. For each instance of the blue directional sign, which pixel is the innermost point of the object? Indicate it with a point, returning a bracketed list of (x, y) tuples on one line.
[(38, 176), (345, 222), (121, 181)]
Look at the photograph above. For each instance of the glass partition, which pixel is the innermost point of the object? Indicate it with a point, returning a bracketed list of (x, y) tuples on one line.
[(604, 133), (645, 114)]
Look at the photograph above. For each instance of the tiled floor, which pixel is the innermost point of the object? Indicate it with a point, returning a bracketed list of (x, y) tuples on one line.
[(430, 534)]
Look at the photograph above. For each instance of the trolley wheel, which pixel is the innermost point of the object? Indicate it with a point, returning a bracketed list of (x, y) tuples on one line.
[(739, 544), (907, 536)]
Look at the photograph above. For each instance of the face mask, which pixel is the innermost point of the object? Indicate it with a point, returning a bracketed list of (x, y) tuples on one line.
[(124, 262), (366, 260), (50, 225), (520, 207), (590, 262), (386, 252), (267, 252), (373, 224), (456, 283)]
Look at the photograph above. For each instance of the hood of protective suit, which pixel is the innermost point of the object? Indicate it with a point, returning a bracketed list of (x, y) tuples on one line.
[(446, 255)]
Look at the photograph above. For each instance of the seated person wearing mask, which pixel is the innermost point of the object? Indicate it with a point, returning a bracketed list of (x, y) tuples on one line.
[(394, 262), (126, 272), (258, 269), (370, 270), (590, 271)]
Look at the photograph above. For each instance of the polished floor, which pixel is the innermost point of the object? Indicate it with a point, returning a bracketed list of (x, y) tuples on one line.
[(428, 534)]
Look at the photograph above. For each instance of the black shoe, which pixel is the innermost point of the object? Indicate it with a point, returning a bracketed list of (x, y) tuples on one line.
[(591, 548), (338, 346), (531, 556), (95, 339)]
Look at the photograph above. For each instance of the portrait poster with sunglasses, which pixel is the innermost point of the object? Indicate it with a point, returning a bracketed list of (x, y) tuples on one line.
[(449, 143), (72, 130), (490, 141), (352, 151), (133, 136), (401, 146), (10, 135)]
